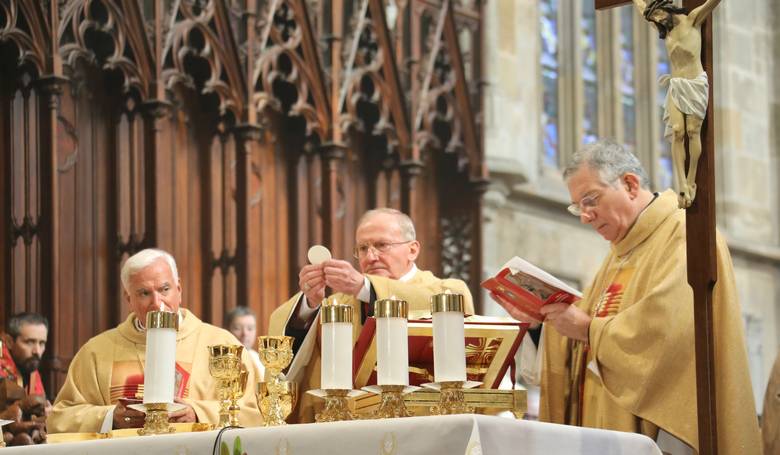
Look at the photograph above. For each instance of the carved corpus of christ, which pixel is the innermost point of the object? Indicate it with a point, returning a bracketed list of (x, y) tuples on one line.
[(687, 87)]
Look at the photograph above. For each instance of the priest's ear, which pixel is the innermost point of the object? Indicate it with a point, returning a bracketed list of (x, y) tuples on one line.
[(414, 250), (632, 183)]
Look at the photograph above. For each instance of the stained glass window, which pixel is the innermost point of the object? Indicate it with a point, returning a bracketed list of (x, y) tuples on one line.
[(664, 148), (627, 84), (589, 72), (549, 31)]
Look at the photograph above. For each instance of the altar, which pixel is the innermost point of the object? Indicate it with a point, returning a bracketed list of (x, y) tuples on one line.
[(454, 434)]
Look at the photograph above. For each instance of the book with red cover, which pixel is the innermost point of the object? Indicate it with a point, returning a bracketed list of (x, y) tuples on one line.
[(491, 344), (528, 287)]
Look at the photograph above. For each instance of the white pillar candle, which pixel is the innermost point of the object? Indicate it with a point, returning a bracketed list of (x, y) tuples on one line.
[(392, 342), (160, 363), (336, 349), (449, 346)]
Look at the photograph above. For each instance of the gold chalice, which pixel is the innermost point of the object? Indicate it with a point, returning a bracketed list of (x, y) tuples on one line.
[(275, 354), (226, 367), (276, 397)]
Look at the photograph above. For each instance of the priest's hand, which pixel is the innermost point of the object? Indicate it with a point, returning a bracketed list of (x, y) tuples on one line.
[(514, 312), (127, 418), (568, 320), (186, 415), (311, 280), (342, 277)]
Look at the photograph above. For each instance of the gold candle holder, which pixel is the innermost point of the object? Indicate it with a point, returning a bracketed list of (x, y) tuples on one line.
[(276, 397), (226, 367), (451, 399), (391, 402), (156, 420), (336, 407)]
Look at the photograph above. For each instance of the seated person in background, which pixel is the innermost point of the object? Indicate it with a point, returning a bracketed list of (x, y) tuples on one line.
[(623, 357), (241, 322), (25, 398), (109, 367), (23, 346), (386, 248)]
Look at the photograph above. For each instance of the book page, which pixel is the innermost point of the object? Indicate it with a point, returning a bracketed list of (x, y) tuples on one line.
[(520, 267)]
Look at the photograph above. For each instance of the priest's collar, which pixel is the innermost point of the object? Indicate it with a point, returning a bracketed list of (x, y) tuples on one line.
[(140, 327), (409, 275), (660, 208)]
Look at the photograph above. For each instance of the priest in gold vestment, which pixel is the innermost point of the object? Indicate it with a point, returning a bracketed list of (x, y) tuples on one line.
[(108, 369), (386, 248), (623, 357)]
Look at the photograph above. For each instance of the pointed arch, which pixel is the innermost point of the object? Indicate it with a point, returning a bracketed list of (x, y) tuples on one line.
[(288, 77), (24, 24), (445, 119), (200, 53), (372, 80), (126, 50)]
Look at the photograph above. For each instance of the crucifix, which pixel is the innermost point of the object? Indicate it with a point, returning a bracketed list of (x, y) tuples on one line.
[(693, 152)]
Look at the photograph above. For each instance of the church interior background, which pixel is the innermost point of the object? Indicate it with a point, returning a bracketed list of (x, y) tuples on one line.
[(236, 133)]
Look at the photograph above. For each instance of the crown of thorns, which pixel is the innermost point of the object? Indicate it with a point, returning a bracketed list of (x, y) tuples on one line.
[(654, 5)]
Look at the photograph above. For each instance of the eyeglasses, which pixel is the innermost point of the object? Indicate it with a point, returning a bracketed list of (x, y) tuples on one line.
[(361, 251), (587, 203)]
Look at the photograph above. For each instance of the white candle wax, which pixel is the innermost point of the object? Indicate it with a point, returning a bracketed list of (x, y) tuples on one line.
[(336, 368), (449, 350), (160, 365), (392, 351)]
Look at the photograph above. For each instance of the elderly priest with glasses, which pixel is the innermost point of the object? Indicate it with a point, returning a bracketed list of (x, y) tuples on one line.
[(386, 248), (623, 357)]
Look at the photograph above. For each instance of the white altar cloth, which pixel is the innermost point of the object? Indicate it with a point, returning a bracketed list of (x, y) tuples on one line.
[(446, 435)]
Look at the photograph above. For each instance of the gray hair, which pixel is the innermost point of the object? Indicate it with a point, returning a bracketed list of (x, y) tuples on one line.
[(14, 325), (237, 312), (143, 259), (404, 222), (610, 160)]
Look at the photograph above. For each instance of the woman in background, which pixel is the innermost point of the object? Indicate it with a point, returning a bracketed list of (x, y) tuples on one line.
[(241, 322)]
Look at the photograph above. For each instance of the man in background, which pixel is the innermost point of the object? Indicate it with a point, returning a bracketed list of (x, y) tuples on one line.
[(242, 323), (24, 345)]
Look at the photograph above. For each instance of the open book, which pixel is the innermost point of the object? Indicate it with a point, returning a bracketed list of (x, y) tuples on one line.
[(528, 287)]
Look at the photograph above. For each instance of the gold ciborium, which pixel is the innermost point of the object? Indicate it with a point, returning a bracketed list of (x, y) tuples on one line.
[(226, 367), (276, 401), (276, 397)]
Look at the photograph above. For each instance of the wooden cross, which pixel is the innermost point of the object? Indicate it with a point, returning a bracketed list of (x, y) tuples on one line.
[(701, 253)]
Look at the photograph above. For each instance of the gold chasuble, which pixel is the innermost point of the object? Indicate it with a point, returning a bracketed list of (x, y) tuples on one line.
[(417, 292), (638, 373), (110, 366)]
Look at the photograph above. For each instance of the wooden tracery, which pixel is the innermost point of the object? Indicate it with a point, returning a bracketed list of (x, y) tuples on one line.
[(233, 133)]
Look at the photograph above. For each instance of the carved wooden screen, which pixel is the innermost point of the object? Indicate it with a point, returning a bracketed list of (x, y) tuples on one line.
[(234, 134)]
